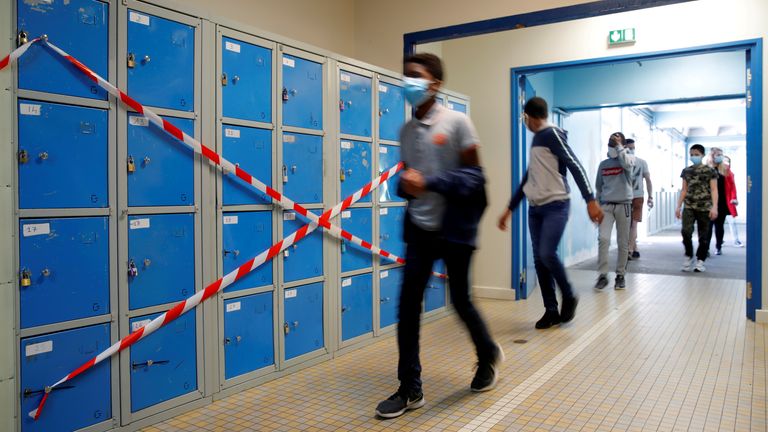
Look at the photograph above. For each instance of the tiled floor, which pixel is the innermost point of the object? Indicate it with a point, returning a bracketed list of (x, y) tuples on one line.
[(668, 354)]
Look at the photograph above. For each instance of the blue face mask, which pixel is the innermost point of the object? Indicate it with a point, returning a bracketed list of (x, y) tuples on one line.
[(416, 90), (718, 159), (696, 160)]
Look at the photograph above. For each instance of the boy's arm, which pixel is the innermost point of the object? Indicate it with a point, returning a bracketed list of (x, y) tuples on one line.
[(713, 188), (562, 150), (599, 183), (681, 199)]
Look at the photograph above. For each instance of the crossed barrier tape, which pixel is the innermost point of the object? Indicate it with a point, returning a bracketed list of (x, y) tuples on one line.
[(228, 168)]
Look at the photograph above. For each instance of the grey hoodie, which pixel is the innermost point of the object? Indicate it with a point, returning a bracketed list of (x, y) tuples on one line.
[(614, 179)]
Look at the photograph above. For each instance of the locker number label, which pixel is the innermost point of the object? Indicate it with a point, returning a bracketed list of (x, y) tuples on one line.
[(140, 224), (384, 275), (232, 133), (346, 214), (230, 220), (450, 106), (383, 88), (346, 282), (233, 307), (232, 47), (138, 121), (289, 216), (345, 78), (139, 324), (36, 229), (29, 109), (384, 211), (38, 348), (289, 138), (383, 150), (291, 293), (291, 63), (346, 145), (139, 18)]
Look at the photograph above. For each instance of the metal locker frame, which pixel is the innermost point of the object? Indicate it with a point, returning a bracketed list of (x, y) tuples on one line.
[(455, 99), (110, 211), (127, 416)]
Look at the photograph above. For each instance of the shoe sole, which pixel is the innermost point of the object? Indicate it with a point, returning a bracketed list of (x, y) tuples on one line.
[(573, 315), (502, 358), (413, 406), (618, 288)]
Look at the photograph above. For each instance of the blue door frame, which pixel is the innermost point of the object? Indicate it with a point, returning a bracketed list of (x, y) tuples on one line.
[(754, 91)]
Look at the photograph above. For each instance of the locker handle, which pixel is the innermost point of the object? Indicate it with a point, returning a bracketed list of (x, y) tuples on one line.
[(235, 79), (295, 324), (228, 341), (147, 160), (148, 363), (147, 262), (43, 155), (385, 300), (234, 252), (146, 59), (46, 272), (30, 392)]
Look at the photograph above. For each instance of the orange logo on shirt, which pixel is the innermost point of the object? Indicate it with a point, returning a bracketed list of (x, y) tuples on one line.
[(439, 139)]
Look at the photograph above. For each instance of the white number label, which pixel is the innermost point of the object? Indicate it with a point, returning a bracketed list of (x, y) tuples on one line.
[(346, 145), (346, 214), (291, 293), (289, 138), (232, 47), (384, 275), (346, 78), (139, 224), (139, 324), (232, 133), (230, 220), (139, 18), (38, 348), (289, 62), (384, 211), (289, 216), (36, 229), (29, 109), (346, 282), (138, 121), (383, 88), (233, 307)]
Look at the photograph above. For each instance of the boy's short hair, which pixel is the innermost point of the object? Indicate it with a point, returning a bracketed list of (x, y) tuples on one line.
[(630, 141), (536, 107), (698, 147), (431, 62), (621, 136)]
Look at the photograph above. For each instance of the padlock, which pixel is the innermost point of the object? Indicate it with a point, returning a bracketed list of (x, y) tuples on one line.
[(133, 271), (26, 278), (22, 38), (131, 61), (285, 174), (342, 105), (342, 176), (343, 247), (23, 157), (285, 94), (131, 165), (224, 79), (286, 328)]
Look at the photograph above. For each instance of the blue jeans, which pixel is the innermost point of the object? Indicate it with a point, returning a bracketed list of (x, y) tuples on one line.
[(547, 223)]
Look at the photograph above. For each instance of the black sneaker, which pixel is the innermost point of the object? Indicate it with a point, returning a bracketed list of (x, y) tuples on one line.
[(635, 254), (568, 309), (719, 251), (601, 283), (398, 404), (629, 256), (620, 283), (487, 374), (549, 319)]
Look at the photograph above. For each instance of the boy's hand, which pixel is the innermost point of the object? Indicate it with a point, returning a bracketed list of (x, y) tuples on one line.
[(650, 202), (595, 212), (678, 213), (713, 214), (413, 182), (502, 224)]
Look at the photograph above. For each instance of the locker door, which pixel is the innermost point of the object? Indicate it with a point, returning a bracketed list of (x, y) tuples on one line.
[(391, 111), (355, 104), (250, 148), (62, 156), (164, 365), (163, 53), (358, 222), (302, 169), (161, 248), (77, 404), (67, 263), (391, 221), (163, 170), (456, 106), (355, 167), (356, 306), (435, 292), (389, 298), (246, 81), (248, 337), (245, 235), (79, 27), (304, 259), (303, 326), (302, 94), (389, 156)]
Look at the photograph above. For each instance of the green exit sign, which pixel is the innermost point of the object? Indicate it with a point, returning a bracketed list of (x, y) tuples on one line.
[(621, 37)]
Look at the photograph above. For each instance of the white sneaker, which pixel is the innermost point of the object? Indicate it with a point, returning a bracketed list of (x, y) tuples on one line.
[(738, 244), (700, 266), (687, 264)]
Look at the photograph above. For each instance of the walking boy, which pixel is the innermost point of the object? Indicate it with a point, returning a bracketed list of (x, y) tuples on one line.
[(640, 174), (700, 197)]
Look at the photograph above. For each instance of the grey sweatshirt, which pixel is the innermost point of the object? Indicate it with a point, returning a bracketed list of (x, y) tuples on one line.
[(614, 179)]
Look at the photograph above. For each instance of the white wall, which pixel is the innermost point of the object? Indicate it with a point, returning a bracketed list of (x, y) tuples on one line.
[(480, 66)]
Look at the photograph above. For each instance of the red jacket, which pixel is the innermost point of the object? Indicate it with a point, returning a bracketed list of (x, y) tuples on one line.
[(730, 193)]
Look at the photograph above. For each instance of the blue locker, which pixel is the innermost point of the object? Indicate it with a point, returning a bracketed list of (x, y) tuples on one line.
[(303, 326), (246, 81), (251, 149), (248, 336), (82, 402), (62, 156), (391, 220), (164, 365), (302, 94), (163, 172), (304, 259), (245, 235), (161, 62), (66, 263), (356, 163), (391, 111), (389, 156), (456, 106), (302, 170), (356, 306), (435, 292), (161, 250), (355, 104), (79, 27), (358, 222), (389, 295)]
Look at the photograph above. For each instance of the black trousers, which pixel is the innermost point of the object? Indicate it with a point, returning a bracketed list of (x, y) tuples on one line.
[(423, 249), (718, 227), (701, 219)]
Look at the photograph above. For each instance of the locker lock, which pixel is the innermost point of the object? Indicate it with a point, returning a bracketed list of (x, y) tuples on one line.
[(342, 175), (285, 173), (147, 160), (148, 363), (131, 165), (235, 79), (43, 155), (285, 94), (224, 79), (286, 328), (46, 272), (23, 157), (385, 300), (147, 262), (131, 61), (342, 105), (343, 247), (26, 278), (234, 252), (22, 38), (46, 390), (228, 341), (384, 236), (146, 59), (132, 270), (384, 111)]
